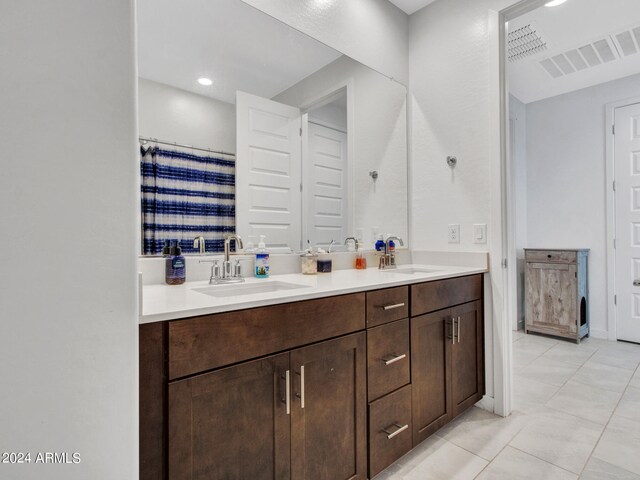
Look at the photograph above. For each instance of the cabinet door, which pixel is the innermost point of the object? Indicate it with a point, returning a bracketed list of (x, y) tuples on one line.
[(551, 296), (467, 356), (431, 344), (231, 424), (328, 416)]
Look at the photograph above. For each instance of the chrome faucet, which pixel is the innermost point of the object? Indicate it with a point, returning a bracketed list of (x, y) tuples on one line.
[(388, 259), (226, 273), (355, 241), (198, 242)]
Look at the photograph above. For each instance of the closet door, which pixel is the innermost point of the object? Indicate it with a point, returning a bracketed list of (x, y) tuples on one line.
[(268, 172)]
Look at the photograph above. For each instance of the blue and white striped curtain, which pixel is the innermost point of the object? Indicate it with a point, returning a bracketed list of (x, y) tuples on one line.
[(186, 196)]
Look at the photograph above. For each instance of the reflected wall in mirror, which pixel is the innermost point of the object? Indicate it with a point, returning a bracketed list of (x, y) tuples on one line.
[(283, 143)]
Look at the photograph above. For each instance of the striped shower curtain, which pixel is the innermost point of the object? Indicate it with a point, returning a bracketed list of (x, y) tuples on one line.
[(185, 196)]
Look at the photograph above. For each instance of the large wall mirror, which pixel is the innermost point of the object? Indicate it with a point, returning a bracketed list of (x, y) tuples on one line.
[(249, 126)]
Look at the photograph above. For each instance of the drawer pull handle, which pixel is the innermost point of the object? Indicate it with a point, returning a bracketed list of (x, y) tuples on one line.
[(393, 359), (391, 307), (458, 329), (399, 429)]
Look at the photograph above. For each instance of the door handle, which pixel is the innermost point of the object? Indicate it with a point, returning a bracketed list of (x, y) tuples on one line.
[(301, 394), (458, 329), (636, 283), (453, 331), (287, 391)]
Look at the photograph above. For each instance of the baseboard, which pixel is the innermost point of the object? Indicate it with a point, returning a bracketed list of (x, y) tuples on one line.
[(598, 333), (487, 403)]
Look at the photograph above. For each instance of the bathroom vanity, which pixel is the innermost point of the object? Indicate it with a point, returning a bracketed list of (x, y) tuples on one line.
[(333, 387)]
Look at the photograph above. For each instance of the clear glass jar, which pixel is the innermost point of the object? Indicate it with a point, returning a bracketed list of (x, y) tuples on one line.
[(309, 263)]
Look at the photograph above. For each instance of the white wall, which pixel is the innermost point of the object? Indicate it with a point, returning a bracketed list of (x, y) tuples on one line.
[(68, 328), (379, 142), (330, 115), (518, 151), (170, 114), (566, 179), (373, 32), (450, 113)]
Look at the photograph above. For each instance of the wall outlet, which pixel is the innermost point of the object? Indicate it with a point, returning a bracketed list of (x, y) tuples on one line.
[(479, 233), (453, 233)]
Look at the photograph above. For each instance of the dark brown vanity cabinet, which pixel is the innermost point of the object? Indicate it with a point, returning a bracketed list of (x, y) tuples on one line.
[(334, 388), (300, 414), (447, 352), (231, 423), (328, 410)]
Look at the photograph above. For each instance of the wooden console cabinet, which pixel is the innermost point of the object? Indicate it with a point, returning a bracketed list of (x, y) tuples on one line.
[(328, 389), (557, 292)]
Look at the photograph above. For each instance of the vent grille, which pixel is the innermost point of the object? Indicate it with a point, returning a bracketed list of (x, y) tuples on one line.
[(602, 51), (524, 42)]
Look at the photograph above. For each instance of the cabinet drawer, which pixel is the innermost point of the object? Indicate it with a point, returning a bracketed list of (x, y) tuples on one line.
[(550, 256), (388, 358), (431, 296), (389, 429), (212, 341), (387, 305)]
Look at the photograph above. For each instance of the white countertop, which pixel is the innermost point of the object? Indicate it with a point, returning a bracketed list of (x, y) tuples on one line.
[(168, 302)]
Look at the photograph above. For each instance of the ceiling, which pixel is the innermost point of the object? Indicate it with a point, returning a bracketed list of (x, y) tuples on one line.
[(568, 62), (411, 6), (228, 41)]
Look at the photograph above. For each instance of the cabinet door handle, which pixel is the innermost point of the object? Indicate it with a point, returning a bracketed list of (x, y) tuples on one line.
[(399, 429), (391, 307), (287, 391), (393, 358), (301, 394), (458, 329), (453, 331)]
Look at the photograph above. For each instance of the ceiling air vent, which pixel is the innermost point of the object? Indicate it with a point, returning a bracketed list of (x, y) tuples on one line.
[(587, 56), (524, 42), (628, 42), (605, 50)]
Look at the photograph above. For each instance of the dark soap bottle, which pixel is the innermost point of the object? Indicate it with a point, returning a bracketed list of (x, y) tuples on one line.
[(175, 268)]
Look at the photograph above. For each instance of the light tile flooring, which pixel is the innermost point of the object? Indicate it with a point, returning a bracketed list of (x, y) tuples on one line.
[(576, 415)]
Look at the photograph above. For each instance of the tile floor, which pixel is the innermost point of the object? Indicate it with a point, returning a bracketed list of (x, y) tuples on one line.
[(576, 415)]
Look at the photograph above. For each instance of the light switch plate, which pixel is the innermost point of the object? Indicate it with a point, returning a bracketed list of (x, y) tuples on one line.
[(480, 233), (453, 233)]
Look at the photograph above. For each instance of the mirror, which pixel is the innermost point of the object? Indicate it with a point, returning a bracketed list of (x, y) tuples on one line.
[(285, 137)]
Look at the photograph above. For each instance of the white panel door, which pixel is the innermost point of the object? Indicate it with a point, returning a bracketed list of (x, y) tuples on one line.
[(627, 201), (268, 172), (326, 186)]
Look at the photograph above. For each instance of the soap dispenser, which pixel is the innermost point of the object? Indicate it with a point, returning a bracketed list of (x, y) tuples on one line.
[(262, 259), (175, 269)]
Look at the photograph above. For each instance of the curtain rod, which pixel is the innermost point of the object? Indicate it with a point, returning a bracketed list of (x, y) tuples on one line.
[(145, 140)]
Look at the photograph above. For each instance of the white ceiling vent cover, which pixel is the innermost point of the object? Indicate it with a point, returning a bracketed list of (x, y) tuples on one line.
[(587, 56), (524, 42), (604, 50), (628, 42)]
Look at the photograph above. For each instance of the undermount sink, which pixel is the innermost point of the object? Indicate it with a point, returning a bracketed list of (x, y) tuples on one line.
[(410, 270), (238, 289)]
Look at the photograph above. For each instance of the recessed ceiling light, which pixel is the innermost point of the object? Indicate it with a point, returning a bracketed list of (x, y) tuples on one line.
[(205, 81), (554, 3)]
